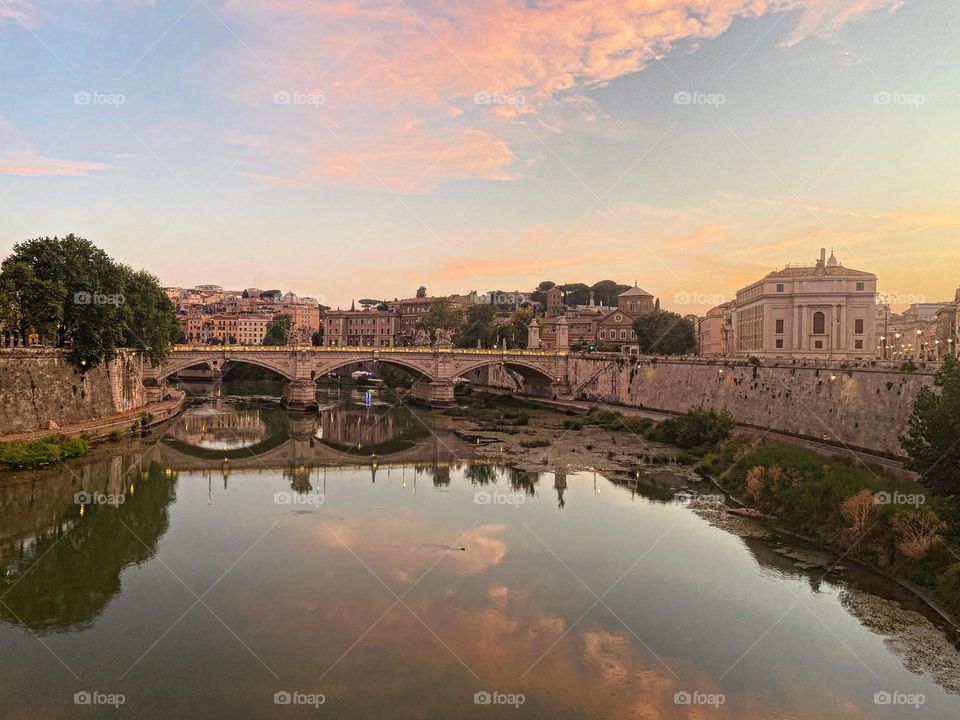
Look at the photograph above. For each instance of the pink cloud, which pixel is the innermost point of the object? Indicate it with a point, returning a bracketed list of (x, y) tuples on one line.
[(456, 64), (21, 12)]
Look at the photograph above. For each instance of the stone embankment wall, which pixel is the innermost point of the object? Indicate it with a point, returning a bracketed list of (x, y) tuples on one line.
[(39, 386), (864, 408)]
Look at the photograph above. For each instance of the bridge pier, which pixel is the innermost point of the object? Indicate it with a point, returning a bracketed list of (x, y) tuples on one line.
[(300, 395), (435, 394)]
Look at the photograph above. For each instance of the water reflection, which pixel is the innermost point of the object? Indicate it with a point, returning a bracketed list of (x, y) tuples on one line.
[(61, 560), (494, 596)]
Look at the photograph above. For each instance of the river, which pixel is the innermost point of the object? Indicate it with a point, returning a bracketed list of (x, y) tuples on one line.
[(243, 562)]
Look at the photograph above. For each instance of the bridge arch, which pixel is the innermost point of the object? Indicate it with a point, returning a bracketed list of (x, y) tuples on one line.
[(538, 370), (414, 367), (172, 366)]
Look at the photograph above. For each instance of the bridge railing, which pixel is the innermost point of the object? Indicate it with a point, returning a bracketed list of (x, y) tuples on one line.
[(321, 349)]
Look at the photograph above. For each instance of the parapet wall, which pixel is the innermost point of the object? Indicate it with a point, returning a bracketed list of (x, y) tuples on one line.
[(39, 386), (865, 407)]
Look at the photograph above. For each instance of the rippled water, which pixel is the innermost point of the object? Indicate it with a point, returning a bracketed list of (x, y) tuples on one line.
[(406, 582)]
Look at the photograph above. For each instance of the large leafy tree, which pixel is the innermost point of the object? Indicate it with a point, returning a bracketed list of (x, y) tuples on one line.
[(150, 319), (665, 333), (421, 292), (29, 303), (932, 441), (479, 326), (441, 314), (104, 305), (278, 330)]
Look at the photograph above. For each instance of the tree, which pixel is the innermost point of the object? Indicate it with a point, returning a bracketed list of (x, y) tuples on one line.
[(605, 292), (576, 293), (539, 295), (103, 305), (150, 321), (29, 303), (367, 303), (278, 330), (479, 325), (522, 317), (421, 292), (271, 294), (931, 442), (664, 333), (441, 314)]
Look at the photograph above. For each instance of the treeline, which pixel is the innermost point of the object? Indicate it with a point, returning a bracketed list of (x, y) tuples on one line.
[(71, 294)]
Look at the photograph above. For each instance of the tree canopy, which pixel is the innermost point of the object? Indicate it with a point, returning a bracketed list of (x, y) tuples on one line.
[(441, 314), (421, 292), (278, 330), (72, 294), (479, 326), (665, 333)]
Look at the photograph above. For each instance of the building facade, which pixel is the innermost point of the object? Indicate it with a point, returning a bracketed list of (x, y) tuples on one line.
[(615, 327), (820, 311), (361, 328)]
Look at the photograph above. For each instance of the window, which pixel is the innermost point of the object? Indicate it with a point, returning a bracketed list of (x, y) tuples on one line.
[(819, 345), (819, 323), (603, 334), (623, 334), (860, 286), (780, 327), (858, 327), (780, 344), (858, 344), (780, 287)]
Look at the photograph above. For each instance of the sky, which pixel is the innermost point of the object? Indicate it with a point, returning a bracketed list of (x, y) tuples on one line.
[(361, 148)]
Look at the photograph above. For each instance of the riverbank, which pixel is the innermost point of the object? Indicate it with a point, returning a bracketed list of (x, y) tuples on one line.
[(825, 447), (104, 427)]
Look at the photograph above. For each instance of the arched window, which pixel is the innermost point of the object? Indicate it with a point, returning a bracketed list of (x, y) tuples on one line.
[(819, 323)]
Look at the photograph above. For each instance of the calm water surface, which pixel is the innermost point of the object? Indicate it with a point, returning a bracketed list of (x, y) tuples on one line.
[(359, 556)]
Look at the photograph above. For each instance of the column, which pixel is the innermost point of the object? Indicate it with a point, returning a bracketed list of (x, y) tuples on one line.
[(795, 330)]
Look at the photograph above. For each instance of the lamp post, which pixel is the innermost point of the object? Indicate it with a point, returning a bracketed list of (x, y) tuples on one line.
[(919, 349)]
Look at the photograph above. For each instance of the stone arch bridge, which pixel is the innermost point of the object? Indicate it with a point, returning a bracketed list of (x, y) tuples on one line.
[(436, 368)]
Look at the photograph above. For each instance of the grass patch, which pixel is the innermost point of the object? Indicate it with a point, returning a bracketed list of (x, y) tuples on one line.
[(27, 454)]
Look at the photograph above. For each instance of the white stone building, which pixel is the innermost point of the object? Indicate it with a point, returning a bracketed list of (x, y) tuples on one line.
[(821, 311)]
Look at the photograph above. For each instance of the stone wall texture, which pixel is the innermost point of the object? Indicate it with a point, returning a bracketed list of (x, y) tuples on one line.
[(40, 385), (865, 408)]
